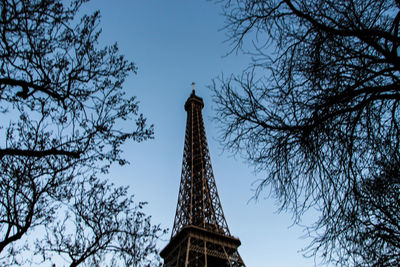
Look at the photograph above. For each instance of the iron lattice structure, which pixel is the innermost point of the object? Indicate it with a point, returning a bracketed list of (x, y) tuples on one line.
[(200, 235)]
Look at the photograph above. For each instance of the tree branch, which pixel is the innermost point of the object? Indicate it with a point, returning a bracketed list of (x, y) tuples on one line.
[(35, 153), (25, 88)]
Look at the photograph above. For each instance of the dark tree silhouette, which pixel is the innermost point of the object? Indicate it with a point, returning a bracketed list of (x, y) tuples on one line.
[(317, 111), (102, 225), (370, 230), (63, 114)]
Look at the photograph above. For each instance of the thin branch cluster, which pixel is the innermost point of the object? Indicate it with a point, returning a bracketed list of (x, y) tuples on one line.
[(63, 118), (317, 111)]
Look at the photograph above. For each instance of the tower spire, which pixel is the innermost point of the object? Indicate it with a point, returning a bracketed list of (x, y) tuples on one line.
[(200, 235)]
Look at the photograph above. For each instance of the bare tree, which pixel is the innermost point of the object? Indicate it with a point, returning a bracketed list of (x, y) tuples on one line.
[(317, 110), (62, 111), (370, 231), (102, 225)]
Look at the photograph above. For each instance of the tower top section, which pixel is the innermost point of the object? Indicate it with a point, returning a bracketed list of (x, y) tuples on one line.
[(194, 99), (198, 201)]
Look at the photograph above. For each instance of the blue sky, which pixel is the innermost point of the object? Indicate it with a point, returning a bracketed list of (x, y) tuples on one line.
[(174, 43)]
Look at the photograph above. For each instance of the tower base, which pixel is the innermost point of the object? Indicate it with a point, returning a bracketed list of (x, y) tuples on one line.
[(197, 247)]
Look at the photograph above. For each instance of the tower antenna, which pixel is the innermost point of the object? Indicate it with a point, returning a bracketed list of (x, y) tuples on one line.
[(193, 84)]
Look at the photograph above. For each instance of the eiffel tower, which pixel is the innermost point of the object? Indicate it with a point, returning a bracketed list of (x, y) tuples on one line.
[(200, 235)]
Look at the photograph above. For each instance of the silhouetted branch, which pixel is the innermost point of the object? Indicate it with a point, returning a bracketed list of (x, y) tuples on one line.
[(25, 93), (39, 153)]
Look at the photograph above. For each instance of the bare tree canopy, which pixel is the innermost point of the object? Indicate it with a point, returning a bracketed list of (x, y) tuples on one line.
[(317, 112), (63, 113)]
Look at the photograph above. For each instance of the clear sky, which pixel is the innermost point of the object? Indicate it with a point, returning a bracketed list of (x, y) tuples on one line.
[(174, 43)]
